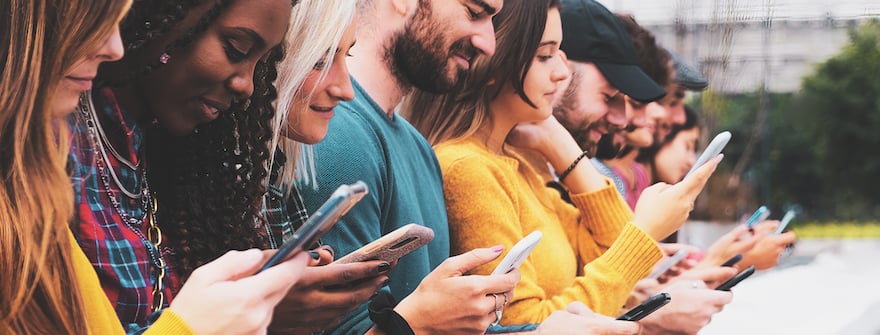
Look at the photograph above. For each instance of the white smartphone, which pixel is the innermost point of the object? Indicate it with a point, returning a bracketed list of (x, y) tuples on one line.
[(714, 149), (518, 254), (392, 246), (677, 257), (319, 222), (784, 222), (759, 216)]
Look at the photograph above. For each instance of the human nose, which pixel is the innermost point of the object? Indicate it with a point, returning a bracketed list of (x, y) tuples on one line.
[(340, 83), (484, 38), (560, 71), (112, 49), (242, 82)]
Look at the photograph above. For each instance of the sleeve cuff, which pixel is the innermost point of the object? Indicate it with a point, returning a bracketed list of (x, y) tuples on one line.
[(633, 255), (170, 323)]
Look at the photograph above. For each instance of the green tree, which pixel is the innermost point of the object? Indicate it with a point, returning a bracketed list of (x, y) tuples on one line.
[(832, 135)]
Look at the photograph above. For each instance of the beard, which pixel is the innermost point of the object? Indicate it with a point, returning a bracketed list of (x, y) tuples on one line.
[(419, 57)]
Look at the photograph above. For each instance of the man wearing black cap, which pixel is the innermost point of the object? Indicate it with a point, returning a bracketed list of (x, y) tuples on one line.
[(687, 78), (605, 67)]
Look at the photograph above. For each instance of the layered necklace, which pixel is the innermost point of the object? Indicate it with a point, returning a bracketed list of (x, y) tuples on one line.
[(153, 238)]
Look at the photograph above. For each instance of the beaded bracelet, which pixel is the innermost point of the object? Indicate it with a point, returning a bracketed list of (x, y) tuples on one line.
[(571, 167)]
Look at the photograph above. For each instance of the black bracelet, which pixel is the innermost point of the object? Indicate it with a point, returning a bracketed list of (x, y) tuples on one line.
[(571, 167), (383, 315)]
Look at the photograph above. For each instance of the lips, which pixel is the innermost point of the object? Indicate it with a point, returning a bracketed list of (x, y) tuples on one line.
[(82, 83), (212, 108), (325, 111)]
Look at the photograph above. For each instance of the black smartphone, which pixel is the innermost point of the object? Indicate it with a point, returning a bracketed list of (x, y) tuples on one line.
[(319, 222), (733, 260), (726, 286), (645, 308)]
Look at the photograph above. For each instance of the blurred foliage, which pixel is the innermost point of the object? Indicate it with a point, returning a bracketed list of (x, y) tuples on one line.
[(820, 152), (837, 230)]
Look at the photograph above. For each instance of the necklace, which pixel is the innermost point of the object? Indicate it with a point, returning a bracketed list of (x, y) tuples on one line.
[(152, 240), (91, 115)]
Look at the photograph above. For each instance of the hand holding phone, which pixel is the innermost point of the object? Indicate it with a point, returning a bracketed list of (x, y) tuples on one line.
[(726, 286), (518, 254), (713, 149), (392, 246), (319, 222), (645, 308), (784, 222), (759, 216)]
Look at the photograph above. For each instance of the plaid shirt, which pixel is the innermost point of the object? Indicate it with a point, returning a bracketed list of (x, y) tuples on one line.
[(284, 213), (119, 256)]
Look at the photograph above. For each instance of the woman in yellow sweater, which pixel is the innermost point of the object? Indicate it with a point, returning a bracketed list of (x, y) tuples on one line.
[(51, 50), (593, 252)]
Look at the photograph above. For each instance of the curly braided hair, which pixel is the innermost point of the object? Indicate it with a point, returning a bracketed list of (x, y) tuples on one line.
[(209, 184)]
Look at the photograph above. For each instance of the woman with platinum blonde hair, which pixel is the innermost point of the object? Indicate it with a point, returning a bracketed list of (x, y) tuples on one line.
[(312, 80)]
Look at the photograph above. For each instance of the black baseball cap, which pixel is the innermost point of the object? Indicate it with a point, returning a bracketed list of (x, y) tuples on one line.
[(687, 75), (591, 33)]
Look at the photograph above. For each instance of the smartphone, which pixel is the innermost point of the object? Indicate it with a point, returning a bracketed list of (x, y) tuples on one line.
[(714, 149), (319, 222), (726, 286), (733, 260), (784, 222), (518, 254), (392, 246), (674, 259), (645, 308), (759, 216)]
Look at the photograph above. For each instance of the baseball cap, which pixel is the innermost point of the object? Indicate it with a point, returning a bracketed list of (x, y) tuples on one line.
[(591, 33), (688, 76)]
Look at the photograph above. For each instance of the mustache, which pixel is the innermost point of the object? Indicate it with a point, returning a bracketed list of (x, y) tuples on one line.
[(464, 48)]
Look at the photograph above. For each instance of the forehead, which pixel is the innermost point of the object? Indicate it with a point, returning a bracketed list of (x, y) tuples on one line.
[(268, 18)]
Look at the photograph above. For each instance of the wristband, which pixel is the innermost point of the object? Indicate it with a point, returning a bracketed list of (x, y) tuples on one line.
[(383, 315), (571, 167)]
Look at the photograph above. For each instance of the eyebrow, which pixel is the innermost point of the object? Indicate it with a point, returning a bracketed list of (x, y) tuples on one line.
[(486, 6), (252, 34), (545, 43)]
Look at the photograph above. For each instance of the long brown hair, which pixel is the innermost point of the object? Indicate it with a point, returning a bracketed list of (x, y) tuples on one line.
[(458, 114), (41, 39)]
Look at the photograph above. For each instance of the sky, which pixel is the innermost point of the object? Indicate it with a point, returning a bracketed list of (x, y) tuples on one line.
[(664, 11)]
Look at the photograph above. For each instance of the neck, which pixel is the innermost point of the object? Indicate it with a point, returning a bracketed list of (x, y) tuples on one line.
[(131, 103), (373, 70), (496, 130)]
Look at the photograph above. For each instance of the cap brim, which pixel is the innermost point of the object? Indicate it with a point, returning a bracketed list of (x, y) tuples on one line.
[(632, 81), (688, 76)]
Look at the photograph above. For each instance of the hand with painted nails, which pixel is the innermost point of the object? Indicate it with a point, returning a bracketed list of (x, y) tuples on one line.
[(327, 291), (449, 302)]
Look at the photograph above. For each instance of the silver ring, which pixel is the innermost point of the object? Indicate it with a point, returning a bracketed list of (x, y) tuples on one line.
[(499, 310), (695, 284)]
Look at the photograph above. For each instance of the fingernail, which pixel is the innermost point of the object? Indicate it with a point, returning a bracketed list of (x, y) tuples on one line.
[(384, 267), (498, 249), (315, 255), (751, 230)]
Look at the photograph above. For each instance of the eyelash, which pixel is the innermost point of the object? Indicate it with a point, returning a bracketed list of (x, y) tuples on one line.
[(234, 54), (474, 15), (321, 64)]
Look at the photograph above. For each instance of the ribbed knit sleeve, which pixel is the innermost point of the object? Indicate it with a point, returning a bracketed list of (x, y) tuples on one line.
[(492, 199)]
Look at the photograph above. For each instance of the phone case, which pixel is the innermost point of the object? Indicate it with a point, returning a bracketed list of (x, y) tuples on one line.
[(647, 307), (713, 149), (726, 286), (393, 245)]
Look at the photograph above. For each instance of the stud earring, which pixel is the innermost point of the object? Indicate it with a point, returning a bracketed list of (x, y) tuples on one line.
[(164, 58)]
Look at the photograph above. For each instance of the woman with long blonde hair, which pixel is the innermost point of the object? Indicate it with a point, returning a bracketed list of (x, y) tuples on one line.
[(51, 50)]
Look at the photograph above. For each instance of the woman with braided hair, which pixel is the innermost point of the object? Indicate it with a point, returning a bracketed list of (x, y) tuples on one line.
[(152, 202)]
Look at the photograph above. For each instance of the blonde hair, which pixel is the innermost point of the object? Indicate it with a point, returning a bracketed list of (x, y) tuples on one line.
[(316, 27), (42, 39)]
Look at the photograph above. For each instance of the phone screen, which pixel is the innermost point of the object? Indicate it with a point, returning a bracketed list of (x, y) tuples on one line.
[(319, 222)]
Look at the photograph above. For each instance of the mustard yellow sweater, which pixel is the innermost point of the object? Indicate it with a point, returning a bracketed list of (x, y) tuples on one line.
[(100, 316), (591, 253)]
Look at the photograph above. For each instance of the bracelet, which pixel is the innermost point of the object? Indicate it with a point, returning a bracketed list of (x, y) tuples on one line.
[(571, 167), (383, 315)]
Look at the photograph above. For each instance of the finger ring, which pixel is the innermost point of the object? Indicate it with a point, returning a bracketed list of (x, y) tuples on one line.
[(506, 299), (695, 284), (498, 310)]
